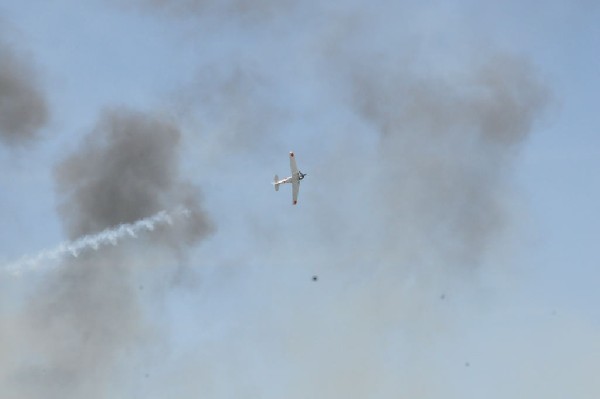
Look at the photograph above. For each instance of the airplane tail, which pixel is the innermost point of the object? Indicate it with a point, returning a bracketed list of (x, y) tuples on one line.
[(275, 180)]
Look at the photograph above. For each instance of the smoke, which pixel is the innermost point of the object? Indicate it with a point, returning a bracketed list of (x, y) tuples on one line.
[(236, 107), (80, 328), (95, 320), (408, 123), (94, 241), (445, 148), (127, 169), (23, 107)]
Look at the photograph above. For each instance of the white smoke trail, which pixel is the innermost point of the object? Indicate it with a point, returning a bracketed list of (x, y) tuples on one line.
[(95, 241)]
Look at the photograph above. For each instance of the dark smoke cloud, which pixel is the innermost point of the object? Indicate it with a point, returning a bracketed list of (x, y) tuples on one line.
[(496, 101), (126, 170), (414, 174), (89, 325), (82, 322), (446, 144), (23, 107), (414, 194)]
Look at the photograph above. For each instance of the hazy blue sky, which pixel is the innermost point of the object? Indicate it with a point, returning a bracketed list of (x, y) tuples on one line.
[(450, 208)]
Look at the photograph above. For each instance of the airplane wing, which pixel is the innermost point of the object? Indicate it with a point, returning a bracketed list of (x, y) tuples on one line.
[(293, 166), (295, 189)]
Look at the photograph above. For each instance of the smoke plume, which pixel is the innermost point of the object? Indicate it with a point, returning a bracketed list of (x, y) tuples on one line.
[(95, 241), (408, 122), (23, 108), (126, 170), (408, 126), (445, 146), (87, 322)]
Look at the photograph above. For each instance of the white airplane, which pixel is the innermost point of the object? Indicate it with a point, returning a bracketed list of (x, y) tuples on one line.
[(294, 179)]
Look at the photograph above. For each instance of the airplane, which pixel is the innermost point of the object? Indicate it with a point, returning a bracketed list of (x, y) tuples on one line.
[(294, 179)]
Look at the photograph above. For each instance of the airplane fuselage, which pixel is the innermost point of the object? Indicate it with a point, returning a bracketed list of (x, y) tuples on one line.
[(283, 181), (294, 179)]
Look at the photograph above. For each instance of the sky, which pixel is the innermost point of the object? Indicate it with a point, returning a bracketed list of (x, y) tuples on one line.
[(449, 211)]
